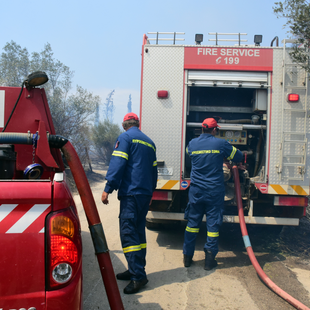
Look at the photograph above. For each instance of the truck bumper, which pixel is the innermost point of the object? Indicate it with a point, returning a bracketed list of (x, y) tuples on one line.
[(154, 216)]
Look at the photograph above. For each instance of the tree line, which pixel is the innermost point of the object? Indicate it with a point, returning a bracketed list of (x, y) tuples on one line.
[(73, 112), (297, 16)]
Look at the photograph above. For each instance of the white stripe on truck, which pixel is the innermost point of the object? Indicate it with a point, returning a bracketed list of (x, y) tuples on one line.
[(6, 210), (24, 222)]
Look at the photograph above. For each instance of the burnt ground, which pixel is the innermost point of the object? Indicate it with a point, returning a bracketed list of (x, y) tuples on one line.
[(278, 254), (291, 241)]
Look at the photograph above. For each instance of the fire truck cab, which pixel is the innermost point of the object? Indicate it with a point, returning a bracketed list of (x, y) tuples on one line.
[(259, 98), (41, 247)]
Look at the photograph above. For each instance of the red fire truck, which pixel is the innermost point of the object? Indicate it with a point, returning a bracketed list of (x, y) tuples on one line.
[(259, 98), (41, 249)]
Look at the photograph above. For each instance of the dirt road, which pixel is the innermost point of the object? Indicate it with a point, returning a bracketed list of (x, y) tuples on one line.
[(233, 285)]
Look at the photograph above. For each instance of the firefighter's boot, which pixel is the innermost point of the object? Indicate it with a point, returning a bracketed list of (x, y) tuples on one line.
[(126, 275), (135, 286), (187, 260), (210, 261)]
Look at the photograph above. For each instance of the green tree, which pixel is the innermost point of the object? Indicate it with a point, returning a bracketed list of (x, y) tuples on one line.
[(297, 15), (104, 136), (72, 113), (14, 65)]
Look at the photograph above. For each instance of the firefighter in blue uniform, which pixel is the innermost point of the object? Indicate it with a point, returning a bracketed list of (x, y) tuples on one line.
[(207, 190), (133, 171)]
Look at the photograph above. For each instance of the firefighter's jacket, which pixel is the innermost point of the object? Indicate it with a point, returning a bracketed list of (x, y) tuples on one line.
[(133, 165), (207, 154)]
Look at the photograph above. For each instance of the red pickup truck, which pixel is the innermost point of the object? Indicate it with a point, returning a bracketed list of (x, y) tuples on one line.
[(40, 237)]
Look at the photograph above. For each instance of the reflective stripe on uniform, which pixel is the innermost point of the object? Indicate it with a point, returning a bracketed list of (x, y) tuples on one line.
[(143, 245), (134, 248), (205, 152), (144, 143), (231, 156), (192, 230), (155, 163), (213, 234), (120, 154)]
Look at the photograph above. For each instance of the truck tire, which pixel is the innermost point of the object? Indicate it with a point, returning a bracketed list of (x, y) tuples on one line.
[(152, 225)]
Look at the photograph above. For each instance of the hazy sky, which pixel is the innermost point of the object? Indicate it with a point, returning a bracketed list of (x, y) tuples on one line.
[(101, 40)]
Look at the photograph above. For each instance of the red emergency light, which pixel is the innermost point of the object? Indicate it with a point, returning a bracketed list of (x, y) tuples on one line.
[(162, 94), (292, 97)]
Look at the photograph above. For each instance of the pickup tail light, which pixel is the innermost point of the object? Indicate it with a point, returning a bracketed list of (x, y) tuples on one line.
[(63, 247)]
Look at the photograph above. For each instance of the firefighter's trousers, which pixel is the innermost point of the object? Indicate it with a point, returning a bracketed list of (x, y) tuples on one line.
[(133, 210), (212, 205)]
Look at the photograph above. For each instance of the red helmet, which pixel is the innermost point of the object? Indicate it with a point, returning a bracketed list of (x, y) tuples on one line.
[(210, 123), (130, 116)]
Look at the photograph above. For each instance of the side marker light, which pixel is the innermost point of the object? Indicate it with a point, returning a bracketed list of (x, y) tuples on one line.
[(162, 94), (292, 97)]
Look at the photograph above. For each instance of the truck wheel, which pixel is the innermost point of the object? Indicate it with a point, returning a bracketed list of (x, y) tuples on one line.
[(275, 229), (152, 225), (272, 230)]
